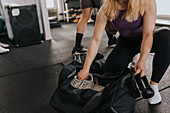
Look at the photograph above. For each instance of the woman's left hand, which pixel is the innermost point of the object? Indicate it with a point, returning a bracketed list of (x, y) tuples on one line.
[(140, 67)]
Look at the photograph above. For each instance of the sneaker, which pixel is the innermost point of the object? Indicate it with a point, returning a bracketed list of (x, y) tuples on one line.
[(112, 42), (76, 82), (4, 45), (79, 50), (76, 20), (3, 50), (156, 99), (87, 84), (90, 20), (83, 84)]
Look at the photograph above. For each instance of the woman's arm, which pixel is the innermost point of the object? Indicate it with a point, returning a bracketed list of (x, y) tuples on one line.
[(149, 19), (94, 44)]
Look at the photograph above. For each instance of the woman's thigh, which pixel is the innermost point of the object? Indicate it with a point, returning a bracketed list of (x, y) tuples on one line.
[(121, 56), (161, 42)]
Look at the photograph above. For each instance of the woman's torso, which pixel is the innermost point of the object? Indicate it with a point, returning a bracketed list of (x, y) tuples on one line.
[(128, 29)]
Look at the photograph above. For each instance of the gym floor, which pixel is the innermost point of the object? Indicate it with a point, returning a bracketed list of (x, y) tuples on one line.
[(29, 75)]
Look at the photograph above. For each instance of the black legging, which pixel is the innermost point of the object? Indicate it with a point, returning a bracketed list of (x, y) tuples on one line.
[(128, 47)]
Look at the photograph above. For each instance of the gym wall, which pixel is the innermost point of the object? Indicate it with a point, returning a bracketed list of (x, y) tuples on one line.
[(56, 6), (163, 9)]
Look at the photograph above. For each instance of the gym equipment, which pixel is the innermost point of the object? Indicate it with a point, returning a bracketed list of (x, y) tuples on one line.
[(25, 25), (8, 3), (147, 91), (54, 22)]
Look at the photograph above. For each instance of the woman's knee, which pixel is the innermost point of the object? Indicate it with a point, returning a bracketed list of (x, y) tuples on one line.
[(165, 33), (86, 17), (163, 37), (86, 13), (161, 43)]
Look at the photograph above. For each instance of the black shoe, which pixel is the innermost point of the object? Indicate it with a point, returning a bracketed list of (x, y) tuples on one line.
[(112, 42), (79, 50)]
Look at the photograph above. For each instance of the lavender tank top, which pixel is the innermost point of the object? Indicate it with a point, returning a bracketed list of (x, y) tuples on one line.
[(128, 29)]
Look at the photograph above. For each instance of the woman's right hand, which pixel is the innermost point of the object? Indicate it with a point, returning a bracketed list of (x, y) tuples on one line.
[(83, 74)]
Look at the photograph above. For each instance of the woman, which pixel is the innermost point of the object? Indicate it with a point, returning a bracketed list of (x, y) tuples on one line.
[(87, 7), (135, 20)]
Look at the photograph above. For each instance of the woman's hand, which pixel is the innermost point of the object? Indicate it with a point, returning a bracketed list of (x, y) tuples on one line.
[(83, 74), (140, 67)]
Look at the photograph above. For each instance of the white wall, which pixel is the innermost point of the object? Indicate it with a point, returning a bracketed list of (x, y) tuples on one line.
[(45, 19), (163, 12), (163, 7), (58, 6), (50, 4)]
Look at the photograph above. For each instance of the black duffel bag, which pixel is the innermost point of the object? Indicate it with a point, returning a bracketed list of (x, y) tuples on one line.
[(68, 99), (97, 64), (118, 96)]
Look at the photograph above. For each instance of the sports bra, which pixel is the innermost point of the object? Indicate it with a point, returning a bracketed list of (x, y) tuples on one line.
[(128, 29)]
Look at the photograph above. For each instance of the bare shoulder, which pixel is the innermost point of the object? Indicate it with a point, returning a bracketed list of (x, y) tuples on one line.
[(101, 14), (149, 5)]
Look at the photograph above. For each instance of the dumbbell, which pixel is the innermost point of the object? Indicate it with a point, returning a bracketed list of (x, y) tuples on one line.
[(147, 91)]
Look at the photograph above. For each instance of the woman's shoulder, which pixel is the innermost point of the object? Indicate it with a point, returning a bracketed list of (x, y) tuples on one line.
[(101, 13), (148, 4)]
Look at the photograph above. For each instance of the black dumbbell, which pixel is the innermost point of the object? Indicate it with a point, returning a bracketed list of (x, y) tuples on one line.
[(147, 91)]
